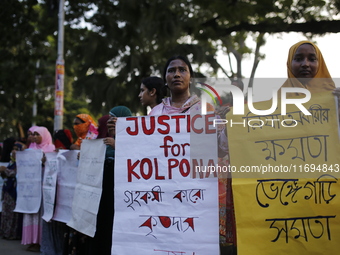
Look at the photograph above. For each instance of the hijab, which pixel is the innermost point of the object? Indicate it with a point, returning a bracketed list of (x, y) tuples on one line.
[(117, 111), (120, 111), (30, 143), (46, 144), (314, 85), (20, 147), (86, 130), (63, 139), (102, 126)]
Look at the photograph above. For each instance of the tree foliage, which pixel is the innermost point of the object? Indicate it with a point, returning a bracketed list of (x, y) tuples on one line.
[(110, 45)]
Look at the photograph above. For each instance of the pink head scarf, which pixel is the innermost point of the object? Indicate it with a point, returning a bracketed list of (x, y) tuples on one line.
[(32, 128), (46, 144)]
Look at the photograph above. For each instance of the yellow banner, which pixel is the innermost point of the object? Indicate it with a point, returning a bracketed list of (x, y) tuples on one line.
[(287, 201)]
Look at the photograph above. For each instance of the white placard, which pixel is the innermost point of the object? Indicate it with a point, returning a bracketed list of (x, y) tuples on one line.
[(49, 185), (29, 180), (159, 208), (66, 183), (89, 187)]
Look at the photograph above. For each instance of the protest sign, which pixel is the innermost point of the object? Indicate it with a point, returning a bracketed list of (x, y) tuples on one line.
[(89, 187), (287, 199), (29, 179), (159, 207), (49, 185), (66, 183)]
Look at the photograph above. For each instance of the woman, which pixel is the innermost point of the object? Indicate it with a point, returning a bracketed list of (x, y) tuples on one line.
[(75, 242), (10, 221), (52, 232), (63, 139), (151, 91), (7, 149), (32, 223), (85, 128), (177, 75), (51, 235), (307, 69), (102, 126), (103, 237), (30, 136), (305, 63), (42, 140)]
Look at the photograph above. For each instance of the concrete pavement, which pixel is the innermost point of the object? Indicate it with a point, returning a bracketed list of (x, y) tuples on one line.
[(13, 247)]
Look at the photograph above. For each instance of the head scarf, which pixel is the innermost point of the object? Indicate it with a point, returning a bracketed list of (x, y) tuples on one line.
[(32, 128), (19, 145), (86, 130), (63, 139), (20, 148), (46, 144), (30, 143), (117, 111), (313, 85), (102, 127), (120, 111)]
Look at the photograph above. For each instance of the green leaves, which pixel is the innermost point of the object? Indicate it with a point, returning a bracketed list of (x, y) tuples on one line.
[(110, 45)]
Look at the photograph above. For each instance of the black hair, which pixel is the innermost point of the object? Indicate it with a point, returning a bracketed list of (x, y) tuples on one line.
[(184, 59), (62, 137), (7, 149), (157, 83)]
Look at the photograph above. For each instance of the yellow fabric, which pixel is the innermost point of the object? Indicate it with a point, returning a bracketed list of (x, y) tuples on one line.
[(314, 85)]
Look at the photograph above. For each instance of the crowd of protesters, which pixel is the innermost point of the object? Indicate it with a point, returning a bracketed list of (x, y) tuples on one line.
[(305, 62), (54, 237)]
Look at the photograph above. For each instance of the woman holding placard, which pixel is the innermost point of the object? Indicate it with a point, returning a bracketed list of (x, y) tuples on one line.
[(178, 74), (10, 220), (102, 240), (307, 68), (85, 128), (32, 223)]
